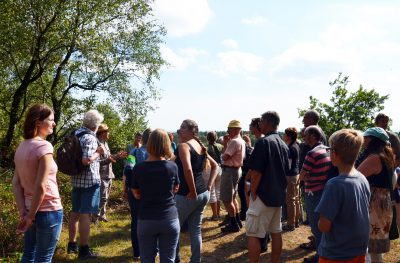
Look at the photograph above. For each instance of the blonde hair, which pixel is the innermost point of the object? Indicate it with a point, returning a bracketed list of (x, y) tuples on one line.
[(159, 144), (347, 144)]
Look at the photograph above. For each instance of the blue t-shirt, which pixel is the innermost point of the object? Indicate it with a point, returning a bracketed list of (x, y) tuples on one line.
[(156, 180), (140, 155), (345, 203)]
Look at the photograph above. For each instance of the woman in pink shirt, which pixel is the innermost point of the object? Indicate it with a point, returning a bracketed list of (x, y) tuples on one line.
[(35, 187)]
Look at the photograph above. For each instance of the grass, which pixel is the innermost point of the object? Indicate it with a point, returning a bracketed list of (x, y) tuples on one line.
[(112, 241)]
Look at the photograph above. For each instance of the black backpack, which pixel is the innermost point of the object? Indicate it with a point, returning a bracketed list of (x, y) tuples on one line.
[(69, 154)]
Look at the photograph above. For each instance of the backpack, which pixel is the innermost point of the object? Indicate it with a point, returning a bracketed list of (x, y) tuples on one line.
[(69, 154)]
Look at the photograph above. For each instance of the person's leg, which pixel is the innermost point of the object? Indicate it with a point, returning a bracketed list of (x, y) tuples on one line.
[(311, 201), (89, 205), (105, 189), (276, 247), (48, 229), (168, 239), (297, 204), (254, 249), (84, 229), (290, 201), (29, 244), (194, 226), (147, 233), (73, 220), (242, 197), (133, 205), (185, 207)]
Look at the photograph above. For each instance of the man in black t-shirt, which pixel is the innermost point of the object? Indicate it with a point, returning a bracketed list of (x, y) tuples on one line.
[(269, 164)]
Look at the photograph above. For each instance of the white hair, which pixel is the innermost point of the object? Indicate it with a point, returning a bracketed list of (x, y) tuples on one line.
[(92, 119)]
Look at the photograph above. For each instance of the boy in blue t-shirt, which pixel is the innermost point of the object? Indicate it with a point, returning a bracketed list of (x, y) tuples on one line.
[(343, 209)]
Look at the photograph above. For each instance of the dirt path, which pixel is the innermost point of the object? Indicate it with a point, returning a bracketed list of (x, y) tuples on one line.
[(112, 241)]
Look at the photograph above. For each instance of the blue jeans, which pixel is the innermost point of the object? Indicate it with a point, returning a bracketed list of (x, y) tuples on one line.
[(311, 202), (40, 240), (134, 206), (192, 211), (158, 235)]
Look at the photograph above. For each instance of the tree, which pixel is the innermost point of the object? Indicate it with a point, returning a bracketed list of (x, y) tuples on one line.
[(62, 52), (347, 109)]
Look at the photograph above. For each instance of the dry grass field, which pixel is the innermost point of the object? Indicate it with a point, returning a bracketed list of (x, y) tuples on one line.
[(112, 241)]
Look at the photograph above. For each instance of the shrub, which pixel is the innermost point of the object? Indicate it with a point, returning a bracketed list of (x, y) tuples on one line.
[(10, 241)]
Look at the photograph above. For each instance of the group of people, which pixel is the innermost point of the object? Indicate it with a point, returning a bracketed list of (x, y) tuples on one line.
[(347, 185)]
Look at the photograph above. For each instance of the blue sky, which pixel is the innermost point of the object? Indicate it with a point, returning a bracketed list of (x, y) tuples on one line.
[(238, 59)]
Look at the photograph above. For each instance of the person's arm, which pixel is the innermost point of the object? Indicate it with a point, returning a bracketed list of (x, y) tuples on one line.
[(39, 192), (370, 166), (87, 161), (255, 182), (213, 172), (184, 155), (324, 225), (18, 192), (303, 175), (90, 152)]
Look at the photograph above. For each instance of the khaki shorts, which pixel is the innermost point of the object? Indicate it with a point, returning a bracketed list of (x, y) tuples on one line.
[(261, 219), (229, 182)]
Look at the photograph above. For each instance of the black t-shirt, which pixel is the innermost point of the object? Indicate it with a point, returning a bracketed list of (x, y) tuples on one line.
[(270, 157), (155, 180), (294, 151), (197, 162)]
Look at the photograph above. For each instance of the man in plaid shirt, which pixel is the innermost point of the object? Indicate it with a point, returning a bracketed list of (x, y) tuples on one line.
[(86, 186)]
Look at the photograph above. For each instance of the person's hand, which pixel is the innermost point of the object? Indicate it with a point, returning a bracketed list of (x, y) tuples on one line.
[(253, 196), (100, 150), (24, 224), (111, 159), (192, 195), (122, 154)]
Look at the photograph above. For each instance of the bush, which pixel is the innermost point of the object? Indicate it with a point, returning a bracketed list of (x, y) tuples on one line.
[(10, 241)]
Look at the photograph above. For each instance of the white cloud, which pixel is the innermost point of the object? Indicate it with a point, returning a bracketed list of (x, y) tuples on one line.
[(255, 20), (356, 39), (236, 62), (181, 60), (230, 44), (182, 17)]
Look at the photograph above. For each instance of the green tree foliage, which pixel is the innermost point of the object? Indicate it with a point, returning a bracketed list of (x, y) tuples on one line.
[(65, 53), (347, 109)]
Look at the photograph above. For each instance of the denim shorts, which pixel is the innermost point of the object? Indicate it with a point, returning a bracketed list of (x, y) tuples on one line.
[(86, 200)]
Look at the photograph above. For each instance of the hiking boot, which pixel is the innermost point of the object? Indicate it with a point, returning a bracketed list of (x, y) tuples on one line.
[(230, 229), (312, 259), (225, 221), (72, 248), (103, 219), (239, 222), (86, 253)]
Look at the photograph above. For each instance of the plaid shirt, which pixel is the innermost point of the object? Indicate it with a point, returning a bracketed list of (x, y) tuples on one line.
[(90, 175)]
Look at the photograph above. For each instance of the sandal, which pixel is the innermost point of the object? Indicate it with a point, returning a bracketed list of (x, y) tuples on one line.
[(308, 246)]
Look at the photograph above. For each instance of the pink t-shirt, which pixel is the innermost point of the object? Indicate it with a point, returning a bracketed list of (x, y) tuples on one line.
[(236, 150), (26, 161)]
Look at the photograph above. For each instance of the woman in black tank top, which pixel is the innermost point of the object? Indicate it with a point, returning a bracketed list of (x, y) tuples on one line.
[(193, 193), (376, 162)]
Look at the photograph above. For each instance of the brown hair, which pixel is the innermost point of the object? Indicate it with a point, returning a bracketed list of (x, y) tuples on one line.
[(159, 144), (291, 132), (381, 116), (37, 112), (347, 144), (194, 128)]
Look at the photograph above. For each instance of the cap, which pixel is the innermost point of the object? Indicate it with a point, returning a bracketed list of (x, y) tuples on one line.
[(377, 132), (103, 127), (234, 124)]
